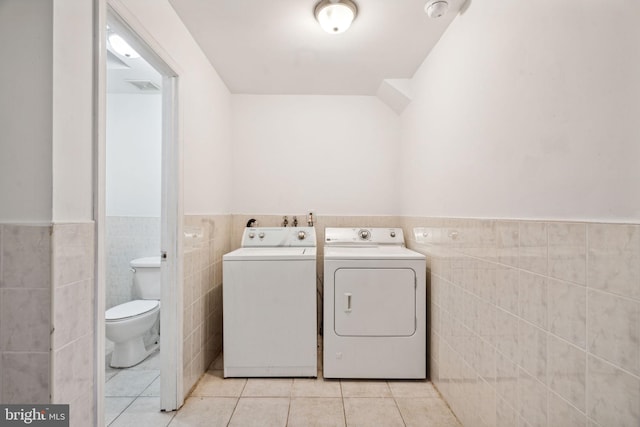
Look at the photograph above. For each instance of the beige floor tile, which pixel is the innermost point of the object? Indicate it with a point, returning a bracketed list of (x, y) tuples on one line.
[(205, 411), (144, 412), (377, 411), (260, 412), (413, 388), (213, 384), (365, 388), (316, 412), (268, 387), (426, 412), (316, 387)]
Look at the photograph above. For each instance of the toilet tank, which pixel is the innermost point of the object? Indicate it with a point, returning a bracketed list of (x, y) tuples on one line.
[(146, 277)]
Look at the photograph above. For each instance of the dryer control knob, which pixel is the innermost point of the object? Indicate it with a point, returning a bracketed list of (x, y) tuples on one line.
[(261, 235), (364, 234), (301, 235), (252, 235), (393, 234)]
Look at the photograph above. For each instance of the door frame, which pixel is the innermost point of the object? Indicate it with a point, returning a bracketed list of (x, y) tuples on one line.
[(171, 314)]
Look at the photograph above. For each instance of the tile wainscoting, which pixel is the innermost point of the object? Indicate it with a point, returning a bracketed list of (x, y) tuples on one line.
[(533, 323), (46, 316), (206, 239)]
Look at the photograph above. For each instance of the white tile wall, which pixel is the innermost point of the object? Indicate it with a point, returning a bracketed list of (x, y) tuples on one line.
[(127, 238)]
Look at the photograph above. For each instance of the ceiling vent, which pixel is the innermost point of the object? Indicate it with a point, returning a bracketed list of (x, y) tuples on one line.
[(145, 85)]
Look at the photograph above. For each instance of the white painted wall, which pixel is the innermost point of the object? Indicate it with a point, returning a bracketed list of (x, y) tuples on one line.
[(134, 155), (72, 111), (204, 105), (25, 110), (336, 155), (528, 110)]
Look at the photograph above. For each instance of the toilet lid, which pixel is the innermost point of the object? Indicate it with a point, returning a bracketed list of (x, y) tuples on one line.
[(130, 309)]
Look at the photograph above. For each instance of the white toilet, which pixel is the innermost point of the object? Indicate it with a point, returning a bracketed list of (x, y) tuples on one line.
[(128, 324)]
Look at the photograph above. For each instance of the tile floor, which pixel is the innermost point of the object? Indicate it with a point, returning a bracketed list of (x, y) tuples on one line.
[(132, 399)]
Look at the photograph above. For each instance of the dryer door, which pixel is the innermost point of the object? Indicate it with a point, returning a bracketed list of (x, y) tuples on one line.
[(375, 302)]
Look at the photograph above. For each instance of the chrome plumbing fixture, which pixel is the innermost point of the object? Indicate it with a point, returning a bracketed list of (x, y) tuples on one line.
[(285, 221)]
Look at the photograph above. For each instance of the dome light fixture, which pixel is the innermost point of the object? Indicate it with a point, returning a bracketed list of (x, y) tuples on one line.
[(121, 47), (436, 8), (336, 16)]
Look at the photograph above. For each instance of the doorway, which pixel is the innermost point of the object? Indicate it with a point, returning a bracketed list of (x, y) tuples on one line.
[(138, 199)]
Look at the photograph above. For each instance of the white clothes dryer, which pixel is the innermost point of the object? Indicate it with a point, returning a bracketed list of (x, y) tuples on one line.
[(374, 305), (269, 304)]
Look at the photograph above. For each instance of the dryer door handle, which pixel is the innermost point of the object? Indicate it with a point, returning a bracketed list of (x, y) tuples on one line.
[(348, 295)]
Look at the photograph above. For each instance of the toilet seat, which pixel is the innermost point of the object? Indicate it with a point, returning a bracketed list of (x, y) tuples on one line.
[(131, 309)]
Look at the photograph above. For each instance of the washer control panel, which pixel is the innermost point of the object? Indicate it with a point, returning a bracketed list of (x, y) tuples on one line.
[(363, 236), (272, 237)]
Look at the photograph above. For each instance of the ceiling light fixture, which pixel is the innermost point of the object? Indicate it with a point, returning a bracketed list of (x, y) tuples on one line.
[(436, 8), (336, 16), (121, 47)]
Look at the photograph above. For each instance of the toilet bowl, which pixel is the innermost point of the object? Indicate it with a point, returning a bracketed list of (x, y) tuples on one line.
[(132, 323)]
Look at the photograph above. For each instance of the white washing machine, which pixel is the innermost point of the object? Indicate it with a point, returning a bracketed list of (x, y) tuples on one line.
[(374, 305), (269, 304)]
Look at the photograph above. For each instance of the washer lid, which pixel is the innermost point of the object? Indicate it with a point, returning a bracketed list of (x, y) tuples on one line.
[(271, 254), (131, 309), (371, 252)]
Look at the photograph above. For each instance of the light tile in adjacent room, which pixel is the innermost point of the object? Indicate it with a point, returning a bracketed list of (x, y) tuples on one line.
[(260, 412), (153, 389), (144, 412), (114, 406), (372, 411), (205, 411), (426, 412), (614, 258), (213, 384), (612, 395), (129, 383), (316, 412)]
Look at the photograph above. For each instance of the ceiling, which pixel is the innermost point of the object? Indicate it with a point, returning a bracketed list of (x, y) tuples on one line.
[(277, 46), (128, 75)]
